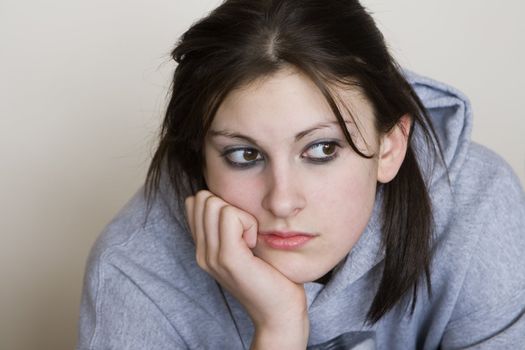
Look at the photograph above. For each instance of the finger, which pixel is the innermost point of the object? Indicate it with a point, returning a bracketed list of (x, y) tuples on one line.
[(198, 222), (237, 233), (212, 210), (249, 226)]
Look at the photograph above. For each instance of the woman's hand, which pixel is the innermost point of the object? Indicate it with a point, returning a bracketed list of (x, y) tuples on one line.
[(223, 236)]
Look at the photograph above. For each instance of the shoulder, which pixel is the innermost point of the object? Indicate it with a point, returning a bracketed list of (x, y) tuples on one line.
[(488, 213), (490, 201), (483, 240), (487, 190), (140, 276), (144, 242), (484, 196), (141, 236), (484, 168)]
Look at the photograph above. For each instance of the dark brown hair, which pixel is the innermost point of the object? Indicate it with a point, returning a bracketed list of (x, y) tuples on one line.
[(329, 41)]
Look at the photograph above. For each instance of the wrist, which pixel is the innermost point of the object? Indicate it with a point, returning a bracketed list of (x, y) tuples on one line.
[(290, 335)]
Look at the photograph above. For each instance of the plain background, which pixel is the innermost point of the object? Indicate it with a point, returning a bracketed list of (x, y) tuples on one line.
[(83, 86)]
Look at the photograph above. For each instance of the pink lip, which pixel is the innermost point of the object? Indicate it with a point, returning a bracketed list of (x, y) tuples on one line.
[(285, 240)]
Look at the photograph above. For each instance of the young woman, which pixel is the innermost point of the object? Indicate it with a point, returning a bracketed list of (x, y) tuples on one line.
[(306, 191)]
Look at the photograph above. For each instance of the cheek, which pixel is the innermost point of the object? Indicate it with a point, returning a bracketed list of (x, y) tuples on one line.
[(235, 187), (347, 197), (351, 184)]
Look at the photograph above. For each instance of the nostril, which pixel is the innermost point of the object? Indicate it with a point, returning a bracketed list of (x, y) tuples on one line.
[(283, 204)]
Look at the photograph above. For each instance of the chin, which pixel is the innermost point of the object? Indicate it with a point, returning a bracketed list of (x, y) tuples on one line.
[(301, 277), (296, 270)]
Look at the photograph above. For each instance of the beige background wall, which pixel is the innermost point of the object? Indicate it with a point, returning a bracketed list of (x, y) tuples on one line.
[(82, 88)]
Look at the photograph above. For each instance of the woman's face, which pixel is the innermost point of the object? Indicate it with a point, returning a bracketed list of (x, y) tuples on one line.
[(276, 151)]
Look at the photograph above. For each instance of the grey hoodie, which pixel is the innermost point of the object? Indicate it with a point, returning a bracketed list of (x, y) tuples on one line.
[(144, 290)]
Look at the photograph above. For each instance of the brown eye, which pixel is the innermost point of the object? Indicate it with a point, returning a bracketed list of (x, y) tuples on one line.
[(328, 149), (323, 151), (249, 155), (243, 157)]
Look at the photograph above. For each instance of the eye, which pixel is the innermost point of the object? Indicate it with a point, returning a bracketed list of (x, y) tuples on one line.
[(322, 151), (242, 157)]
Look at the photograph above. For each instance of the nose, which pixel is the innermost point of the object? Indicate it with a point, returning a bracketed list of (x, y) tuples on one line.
[(284, 196)]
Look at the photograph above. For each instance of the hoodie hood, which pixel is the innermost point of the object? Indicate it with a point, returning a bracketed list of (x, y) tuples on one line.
[(450, 113), (451, 116)]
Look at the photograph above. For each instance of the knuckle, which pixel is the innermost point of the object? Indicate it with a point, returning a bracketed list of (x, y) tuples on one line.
[(227, 210), (201, 261), (213, 202), (201, 195), (210, 263)]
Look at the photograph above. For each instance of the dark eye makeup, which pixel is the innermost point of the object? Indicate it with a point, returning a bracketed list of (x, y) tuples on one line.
[(248, 157)]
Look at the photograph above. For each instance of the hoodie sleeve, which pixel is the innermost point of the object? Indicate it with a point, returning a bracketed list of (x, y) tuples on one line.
[(490, 310), (116, 314)]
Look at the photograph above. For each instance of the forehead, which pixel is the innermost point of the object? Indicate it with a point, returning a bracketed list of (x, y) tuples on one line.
[(287, 102)]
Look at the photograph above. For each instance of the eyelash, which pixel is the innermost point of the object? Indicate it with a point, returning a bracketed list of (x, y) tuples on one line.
[(252, 163)]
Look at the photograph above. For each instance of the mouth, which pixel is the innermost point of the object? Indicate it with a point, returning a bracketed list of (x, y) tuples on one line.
[(285, 240)]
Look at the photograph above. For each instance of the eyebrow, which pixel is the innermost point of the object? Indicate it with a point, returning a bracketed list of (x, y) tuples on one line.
[(298, 136)]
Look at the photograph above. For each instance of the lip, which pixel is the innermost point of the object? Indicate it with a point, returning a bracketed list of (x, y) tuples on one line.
[(286, 240)]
